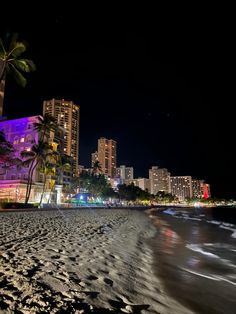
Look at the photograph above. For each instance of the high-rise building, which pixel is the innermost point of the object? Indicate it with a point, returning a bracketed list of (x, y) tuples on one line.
[(67, 114), (206, 192), (197, 188), (125, 173), (200, 189), (94, 158), (159, 180), (181, 187), (107, 156)]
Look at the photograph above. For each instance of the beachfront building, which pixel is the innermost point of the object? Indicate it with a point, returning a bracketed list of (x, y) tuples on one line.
[(13, 180), (67, 115), (125, 173), (107, 156), (159, 180), (206, 192), (197, 188), (144, 184), (200, 189), (181, 187)]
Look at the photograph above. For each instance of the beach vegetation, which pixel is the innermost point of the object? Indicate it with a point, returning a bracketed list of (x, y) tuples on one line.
[(12, 63)]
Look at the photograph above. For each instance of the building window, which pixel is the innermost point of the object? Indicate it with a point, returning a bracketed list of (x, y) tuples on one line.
[(16, 140), (28, 138), (22, 139)]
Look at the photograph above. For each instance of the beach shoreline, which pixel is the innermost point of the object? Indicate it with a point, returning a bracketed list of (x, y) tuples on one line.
[(84, 261)]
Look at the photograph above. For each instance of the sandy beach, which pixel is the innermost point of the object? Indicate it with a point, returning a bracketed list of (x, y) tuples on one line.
[(80, 261)]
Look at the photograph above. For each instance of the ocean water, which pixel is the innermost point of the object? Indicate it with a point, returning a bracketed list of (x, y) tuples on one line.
[(196, 260)]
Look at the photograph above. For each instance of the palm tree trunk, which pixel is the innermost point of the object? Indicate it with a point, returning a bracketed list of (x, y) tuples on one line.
[(50, 194), (2, 90), (44, 185), (2, 84), (30, 182)]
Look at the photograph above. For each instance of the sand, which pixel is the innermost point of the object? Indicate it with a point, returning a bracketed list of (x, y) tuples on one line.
[(80, 261)]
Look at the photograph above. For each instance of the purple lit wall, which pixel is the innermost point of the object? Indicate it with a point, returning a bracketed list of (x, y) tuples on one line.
[(21, 134)]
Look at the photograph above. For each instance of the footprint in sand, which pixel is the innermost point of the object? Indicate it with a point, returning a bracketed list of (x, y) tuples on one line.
[(108, 281), (92, 277)]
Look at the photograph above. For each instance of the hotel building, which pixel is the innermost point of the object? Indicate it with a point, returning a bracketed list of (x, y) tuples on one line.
[(67, 115), (13, 180), (181, 187), (125, 173), (107, 156), (94, 158), (200, 189), (159, 180)]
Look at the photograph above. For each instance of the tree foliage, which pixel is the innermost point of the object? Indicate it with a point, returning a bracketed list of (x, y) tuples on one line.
[(11, 63)]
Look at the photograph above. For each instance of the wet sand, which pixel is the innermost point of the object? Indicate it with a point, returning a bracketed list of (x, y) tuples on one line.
[(196, 262)]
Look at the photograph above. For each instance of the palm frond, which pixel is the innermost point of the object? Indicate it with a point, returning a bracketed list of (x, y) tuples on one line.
[(27, 154), (27, 162), (16, 47), (17, 50), (24, 65), (20, 79), (2, 49)]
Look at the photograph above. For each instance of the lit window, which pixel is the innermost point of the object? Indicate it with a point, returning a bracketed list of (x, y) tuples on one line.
[(16, 140), (28, 138), (22, 139)]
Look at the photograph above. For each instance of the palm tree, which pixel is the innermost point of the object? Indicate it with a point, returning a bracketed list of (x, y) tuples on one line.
[(37, 155), (48, 170), (41, 152), (45, 124), (97, 169), (6, 149), (60, 166), (63, 165), (11, 63)]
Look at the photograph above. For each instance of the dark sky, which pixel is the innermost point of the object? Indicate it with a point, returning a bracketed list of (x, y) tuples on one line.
[(160, 83)]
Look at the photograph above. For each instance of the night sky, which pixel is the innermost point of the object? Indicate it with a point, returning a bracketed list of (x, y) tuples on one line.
[(160, 83)]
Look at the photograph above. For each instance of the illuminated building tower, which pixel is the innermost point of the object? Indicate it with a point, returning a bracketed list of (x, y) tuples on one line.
[(159, 180), (200, 189), (197, 188), (107, 156), (206, 193), (181, 187), (125, 173), (67, 115), (94, 158)]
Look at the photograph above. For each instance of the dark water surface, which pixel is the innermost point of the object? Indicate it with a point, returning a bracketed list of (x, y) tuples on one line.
[(197, 263)]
